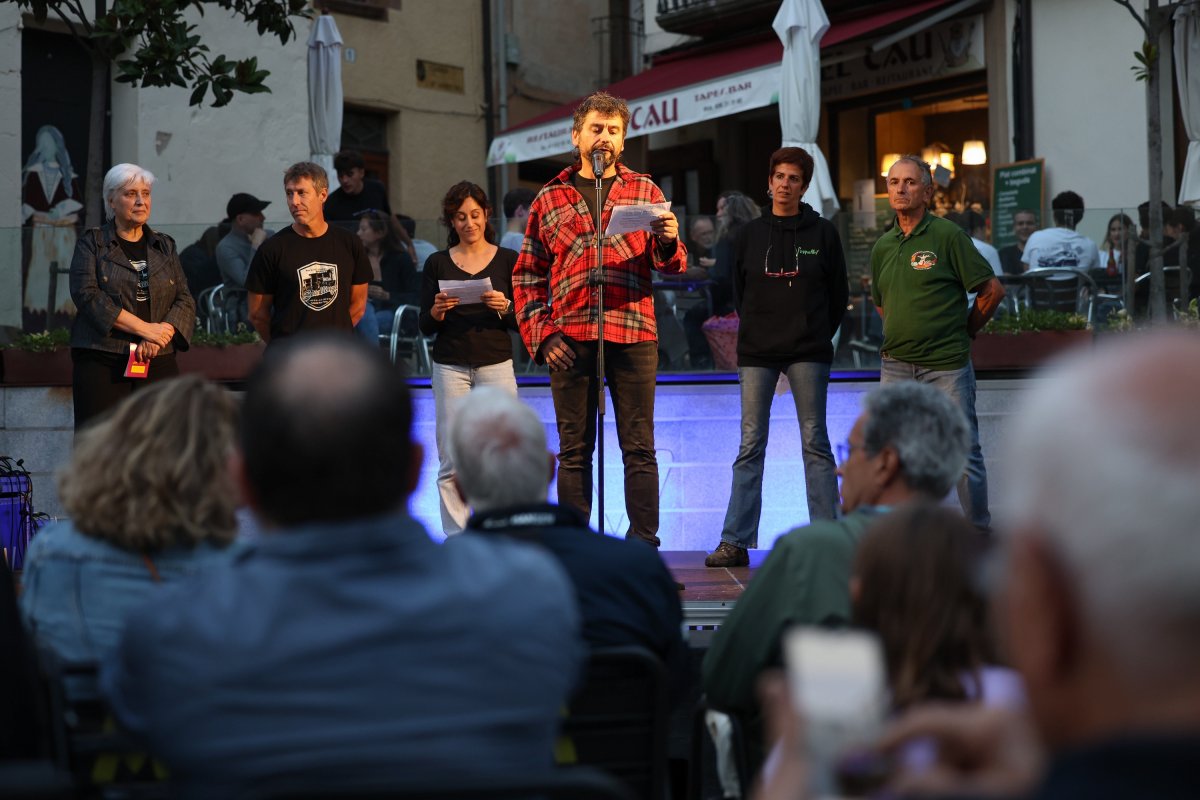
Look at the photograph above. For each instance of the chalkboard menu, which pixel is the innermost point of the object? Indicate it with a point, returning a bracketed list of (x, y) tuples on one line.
[(1020, 185)]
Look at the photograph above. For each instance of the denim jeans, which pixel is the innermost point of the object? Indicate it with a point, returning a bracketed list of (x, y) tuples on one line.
[(631, 371), (368, 326), (810, 384), (450, 382), (959, 385)]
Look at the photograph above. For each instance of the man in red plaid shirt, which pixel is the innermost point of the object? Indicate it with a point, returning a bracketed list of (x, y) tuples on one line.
[(556, 297)]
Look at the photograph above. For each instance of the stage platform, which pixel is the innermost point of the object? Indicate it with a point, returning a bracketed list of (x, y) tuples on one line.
[(710, 593)]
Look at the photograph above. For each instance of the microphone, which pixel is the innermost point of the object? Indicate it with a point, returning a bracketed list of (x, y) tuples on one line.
[(597, 164)]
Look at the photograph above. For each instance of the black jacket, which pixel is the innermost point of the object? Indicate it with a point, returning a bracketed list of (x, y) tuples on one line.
[(785, 318)]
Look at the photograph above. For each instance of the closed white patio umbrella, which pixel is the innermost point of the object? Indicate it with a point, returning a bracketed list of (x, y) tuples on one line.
[(324, 91), (800, 24), (1187, 77)]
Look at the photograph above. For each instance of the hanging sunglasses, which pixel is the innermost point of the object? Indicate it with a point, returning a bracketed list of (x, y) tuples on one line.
[(781, 273)]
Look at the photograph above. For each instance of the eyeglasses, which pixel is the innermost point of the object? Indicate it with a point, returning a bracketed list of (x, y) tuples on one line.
[(846, 449), (782, 273)]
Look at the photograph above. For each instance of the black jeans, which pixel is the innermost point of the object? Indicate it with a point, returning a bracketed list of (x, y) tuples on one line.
[(631, 370), (99, 383)]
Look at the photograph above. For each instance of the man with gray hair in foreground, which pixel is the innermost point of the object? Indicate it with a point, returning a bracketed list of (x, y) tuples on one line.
[(503, 469), (910, 442), (1099, 602)]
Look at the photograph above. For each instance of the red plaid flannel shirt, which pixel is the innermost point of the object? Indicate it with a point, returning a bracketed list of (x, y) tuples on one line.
[(550, 281)]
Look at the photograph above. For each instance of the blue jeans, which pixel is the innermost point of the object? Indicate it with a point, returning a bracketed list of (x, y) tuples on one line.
[(810, 387), (959, 385), (368, 326), (449, 383)]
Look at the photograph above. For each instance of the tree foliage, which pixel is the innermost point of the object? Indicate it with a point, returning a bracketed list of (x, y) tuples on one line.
[(151, 42)]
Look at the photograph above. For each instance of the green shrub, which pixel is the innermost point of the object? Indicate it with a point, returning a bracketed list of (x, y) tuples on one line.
[(44, 342), (1032, 320)]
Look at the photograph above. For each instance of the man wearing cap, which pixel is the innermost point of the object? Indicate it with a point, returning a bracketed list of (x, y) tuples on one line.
[(246, 233)]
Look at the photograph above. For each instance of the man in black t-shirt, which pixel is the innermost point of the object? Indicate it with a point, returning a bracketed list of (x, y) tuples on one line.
[(357, 193), (310, 275)]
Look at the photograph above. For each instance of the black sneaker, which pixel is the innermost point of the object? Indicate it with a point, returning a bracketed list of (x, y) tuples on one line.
[(728, 555)]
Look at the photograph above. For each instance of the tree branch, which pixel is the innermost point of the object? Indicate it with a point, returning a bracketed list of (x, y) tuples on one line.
[(1140, 21)]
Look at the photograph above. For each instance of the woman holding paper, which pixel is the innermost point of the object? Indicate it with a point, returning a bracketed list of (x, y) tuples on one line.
[(466, 299), (134, 307)]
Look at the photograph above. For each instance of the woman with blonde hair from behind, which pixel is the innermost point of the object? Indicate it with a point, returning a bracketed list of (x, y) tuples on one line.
[(150, 501)]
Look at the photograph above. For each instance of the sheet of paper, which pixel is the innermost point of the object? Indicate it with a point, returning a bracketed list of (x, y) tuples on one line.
[(637, 217), (467, 292)]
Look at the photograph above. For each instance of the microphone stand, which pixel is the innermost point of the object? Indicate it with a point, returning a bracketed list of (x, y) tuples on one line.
[(597, 279)]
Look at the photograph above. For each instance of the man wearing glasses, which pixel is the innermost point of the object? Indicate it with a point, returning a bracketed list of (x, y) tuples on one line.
[(921, 272), (790, 292)]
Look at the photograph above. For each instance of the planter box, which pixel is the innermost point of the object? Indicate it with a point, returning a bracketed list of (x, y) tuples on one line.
[(232, 362), (1023, 350), (26, 368)]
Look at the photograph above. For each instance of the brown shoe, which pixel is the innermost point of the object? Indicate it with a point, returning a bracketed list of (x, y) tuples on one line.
[(728, 555)]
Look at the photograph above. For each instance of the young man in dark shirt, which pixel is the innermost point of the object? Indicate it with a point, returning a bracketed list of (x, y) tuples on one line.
[(357, 193), (310, 275)]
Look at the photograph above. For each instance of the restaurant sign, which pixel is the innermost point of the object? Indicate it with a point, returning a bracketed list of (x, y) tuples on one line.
[(729, 94), (949, 48)]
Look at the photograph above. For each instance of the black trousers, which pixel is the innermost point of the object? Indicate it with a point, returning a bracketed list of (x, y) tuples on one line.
[(99, 382), (631, 371)]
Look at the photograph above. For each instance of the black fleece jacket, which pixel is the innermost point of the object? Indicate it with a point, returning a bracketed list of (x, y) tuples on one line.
[(788, 318)]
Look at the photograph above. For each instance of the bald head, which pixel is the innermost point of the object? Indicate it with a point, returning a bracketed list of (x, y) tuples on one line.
[(326, 432)]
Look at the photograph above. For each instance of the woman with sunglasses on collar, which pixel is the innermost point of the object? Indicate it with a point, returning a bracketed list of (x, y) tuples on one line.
[(790, 292)]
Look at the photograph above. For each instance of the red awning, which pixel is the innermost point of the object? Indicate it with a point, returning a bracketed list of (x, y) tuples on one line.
[(674, 70)]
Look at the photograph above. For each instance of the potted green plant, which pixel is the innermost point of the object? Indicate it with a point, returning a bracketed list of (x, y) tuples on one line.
[(38, 359), (1026, 340), (222, 356)]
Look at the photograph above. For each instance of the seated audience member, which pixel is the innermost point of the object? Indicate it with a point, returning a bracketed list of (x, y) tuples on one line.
[(1120, 242), (1061, 247), (151, 503), (702, 239), (626, 595), (516, 213), (236, 250), (394, 278), (976, 227), (1142, 254), (347, 647), (1024, 223), (22, 725), (1099, 599), (909, 443), (355, 194), (422, 248), (915, 585)]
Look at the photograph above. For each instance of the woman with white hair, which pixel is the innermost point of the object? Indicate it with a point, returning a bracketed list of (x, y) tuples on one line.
[(135, 310)]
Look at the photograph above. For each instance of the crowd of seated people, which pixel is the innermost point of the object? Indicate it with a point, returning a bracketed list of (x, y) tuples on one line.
[(342, 647)]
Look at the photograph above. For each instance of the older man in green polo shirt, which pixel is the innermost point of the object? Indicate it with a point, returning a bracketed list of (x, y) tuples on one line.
[(921, 272)]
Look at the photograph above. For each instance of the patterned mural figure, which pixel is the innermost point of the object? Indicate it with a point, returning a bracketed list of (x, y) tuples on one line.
[(51, 200)]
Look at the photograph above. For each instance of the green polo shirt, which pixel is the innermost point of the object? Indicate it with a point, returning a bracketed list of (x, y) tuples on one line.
[(921, 281)]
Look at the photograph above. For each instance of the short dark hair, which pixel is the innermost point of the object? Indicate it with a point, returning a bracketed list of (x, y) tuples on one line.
[(1144, 213), (1184, 217), (604, 104), (455, 197), (409, 224), (1067, 208), (969, 220), (323, 444), (347, 160), (516, 198), (307, 169), (797, 156)]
